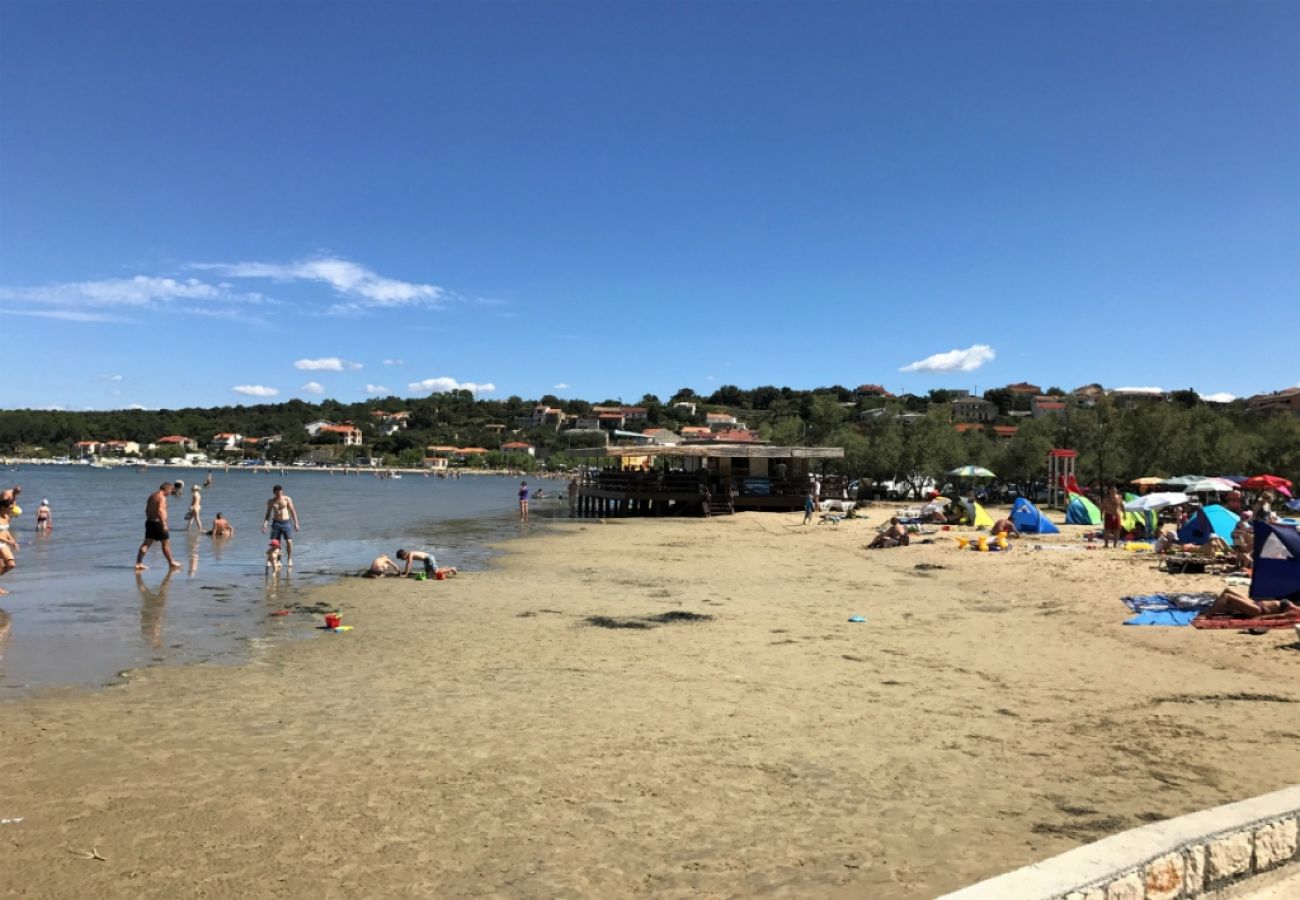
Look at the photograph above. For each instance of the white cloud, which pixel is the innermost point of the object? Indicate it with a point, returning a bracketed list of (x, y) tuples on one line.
[(444, 384), (83, 301), (561, 386), (363, 286), (377, 389), (137, 406), (1220, 397), (312, 387), (326, 364), (394, 362), (1137, 390), (111, 377), (65, 315), (255, 390), (967, 360)]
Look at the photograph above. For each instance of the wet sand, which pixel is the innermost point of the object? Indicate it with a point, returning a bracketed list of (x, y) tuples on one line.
[(483, 737)]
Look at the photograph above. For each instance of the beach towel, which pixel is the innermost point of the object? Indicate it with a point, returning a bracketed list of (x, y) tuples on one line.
[(1166, 609), (1177, 617), (1223, 622), (1196, 601)]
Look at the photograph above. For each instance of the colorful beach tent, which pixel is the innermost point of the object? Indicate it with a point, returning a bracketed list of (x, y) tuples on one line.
[(1082, 511), (1028, 520), (1277, 562), (977, 515), (1209, 520)]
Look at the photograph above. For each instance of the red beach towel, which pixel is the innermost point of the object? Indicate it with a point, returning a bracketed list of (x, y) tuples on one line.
[(1223, 622)]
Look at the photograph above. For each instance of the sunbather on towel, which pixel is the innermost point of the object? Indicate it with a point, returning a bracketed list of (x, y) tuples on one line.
[(1238, 606), (1211, 549), (893, 536)]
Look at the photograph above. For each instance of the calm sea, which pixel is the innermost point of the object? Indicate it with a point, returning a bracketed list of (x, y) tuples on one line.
[(80, 614)]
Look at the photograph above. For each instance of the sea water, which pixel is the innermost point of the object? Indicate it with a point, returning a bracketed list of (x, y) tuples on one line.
[(81, 614)]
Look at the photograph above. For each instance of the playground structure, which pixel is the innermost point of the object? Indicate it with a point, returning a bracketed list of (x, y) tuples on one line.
[(1060, 476)]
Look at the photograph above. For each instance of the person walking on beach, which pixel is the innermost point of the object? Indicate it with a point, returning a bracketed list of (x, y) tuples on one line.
[(194, 516), (155, 528), (523, 501), (1112, 509), (282, 519), (809, 506)]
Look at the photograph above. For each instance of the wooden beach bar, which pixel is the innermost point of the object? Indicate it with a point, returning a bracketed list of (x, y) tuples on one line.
[(701, 479)]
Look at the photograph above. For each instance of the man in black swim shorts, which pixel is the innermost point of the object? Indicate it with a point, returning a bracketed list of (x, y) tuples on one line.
[(155, 528)]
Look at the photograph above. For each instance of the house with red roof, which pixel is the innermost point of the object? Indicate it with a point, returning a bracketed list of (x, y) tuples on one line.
[(519, 447)]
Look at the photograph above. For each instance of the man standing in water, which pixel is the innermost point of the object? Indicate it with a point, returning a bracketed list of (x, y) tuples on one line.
[(523, 501), (155, 528), (282, 519)]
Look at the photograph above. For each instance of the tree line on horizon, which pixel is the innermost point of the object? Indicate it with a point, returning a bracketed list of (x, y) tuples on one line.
[(1178, 436)]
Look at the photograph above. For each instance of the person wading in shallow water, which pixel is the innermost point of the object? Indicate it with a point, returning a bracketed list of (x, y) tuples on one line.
[(155, 528), (282, 518)]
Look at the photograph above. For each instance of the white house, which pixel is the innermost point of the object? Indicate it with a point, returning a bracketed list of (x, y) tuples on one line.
[(227, 440)]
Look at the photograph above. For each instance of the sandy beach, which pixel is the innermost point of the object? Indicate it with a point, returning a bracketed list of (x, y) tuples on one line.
[(495, 736)]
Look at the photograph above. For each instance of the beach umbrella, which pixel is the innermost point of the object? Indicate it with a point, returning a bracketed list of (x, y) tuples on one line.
[(1148, 481), (1235, 479), (1151, 502), (1183, 480), (972, 472), (1265, 483), (1209, 485)]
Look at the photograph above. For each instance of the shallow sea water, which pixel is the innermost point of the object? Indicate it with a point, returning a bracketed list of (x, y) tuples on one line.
[(80, 613)]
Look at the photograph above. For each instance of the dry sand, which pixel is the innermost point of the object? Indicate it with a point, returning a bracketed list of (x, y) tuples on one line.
[(479, 737)]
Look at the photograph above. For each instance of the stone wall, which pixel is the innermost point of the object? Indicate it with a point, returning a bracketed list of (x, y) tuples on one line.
[(1179, 858)]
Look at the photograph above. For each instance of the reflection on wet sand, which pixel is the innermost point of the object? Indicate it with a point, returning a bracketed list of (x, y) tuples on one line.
[(193, 547), (5, 625), (277, 582), (153, 603)]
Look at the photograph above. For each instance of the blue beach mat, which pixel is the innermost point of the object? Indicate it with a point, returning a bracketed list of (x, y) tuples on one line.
[(1164, 617)]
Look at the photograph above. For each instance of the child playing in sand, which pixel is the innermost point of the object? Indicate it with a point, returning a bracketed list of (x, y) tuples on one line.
[(273, 555), (431, 567)]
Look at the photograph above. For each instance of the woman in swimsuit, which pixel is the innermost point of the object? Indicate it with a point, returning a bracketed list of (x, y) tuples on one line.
[(196, 506), (43, 516), (8, 544)]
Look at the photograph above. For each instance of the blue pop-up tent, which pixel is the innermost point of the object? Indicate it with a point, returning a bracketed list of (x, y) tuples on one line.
[(1028, 520), (1276, 571), (1209, 520)]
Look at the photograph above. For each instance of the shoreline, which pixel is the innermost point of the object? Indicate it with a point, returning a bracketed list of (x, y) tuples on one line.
[(500, 736)]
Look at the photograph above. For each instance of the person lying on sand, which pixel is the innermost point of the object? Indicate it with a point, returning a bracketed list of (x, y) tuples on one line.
[(1004, 526), (1238, 606), (893, 536)]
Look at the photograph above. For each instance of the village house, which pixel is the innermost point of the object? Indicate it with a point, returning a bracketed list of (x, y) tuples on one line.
[(543, 416), (1128, 398), (1088, 395), (121, 448), (663, 436), (1043, 406), (1287, 400), (973, 409), (86, 449), (1004, 432), (189, 445), (226, 440), (686, 405), (1024, 388), (723, 422), (347, 432), (391, 422), (519, 447)]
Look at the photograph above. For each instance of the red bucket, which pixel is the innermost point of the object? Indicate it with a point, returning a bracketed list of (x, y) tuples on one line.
[(333, 620), (439, 576)]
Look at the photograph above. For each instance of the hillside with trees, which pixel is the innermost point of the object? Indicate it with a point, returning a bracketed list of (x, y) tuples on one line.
[(884, 438)]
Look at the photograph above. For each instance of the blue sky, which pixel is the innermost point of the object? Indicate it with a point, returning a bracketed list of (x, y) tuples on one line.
[(205, 203)]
